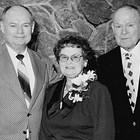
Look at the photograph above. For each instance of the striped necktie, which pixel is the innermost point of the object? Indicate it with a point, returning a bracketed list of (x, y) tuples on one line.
[(23, 78), (130, 81)]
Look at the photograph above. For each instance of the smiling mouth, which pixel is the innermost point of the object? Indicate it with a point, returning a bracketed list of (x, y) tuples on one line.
[(69, 67), (124, 38), (19, 36)]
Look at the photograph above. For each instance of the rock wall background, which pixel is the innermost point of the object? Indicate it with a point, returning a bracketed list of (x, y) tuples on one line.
[(57, 18)]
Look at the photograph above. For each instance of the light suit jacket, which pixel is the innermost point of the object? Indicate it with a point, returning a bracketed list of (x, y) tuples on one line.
[(14, 114)]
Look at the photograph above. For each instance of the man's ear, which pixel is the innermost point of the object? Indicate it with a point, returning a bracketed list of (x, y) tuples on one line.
[(33, 25), (112, 26), (2, 26)]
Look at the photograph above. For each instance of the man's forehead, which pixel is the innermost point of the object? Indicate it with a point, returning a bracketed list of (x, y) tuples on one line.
[(126, 11), (17, 10), (18, 14)]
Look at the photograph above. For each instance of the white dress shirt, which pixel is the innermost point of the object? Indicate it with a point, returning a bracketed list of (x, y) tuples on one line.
[(136, 64), (28, 65)]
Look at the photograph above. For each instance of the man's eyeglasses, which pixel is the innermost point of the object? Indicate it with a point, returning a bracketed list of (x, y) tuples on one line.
[(74, 58)]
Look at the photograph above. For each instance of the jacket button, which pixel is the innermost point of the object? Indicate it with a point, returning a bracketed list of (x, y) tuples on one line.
[(24, 132), (134, 123), (28, 114)]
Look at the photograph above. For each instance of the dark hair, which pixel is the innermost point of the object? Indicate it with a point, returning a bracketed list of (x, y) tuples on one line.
[(11, 6), (75, 41)]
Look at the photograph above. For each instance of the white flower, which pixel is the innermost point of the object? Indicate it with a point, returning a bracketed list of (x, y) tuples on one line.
[(77, 81), (83, 78), (81, 83)]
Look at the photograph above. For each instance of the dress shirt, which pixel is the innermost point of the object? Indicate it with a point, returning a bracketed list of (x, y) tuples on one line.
[(136, 63), (28, 65)]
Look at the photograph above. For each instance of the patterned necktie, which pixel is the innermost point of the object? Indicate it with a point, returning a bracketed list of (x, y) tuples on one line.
[(23, 78), (130, 81)]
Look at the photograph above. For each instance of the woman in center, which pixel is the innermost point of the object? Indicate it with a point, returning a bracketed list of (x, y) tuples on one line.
[(78, 107)]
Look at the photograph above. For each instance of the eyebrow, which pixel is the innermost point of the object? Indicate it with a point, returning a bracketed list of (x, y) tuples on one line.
[(12, 22), (71, 55)]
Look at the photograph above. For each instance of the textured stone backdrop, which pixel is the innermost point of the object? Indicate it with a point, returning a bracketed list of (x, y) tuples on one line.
[(57, 18)]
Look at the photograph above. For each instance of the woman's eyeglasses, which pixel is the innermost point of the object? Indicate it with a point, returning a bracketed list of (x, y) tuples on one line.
[(74, 58)]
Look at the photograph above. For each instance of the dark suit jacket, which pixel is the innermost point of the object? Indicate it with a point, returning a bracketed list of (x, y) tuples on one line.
[(110, 73), (91, 119), (14, 114)]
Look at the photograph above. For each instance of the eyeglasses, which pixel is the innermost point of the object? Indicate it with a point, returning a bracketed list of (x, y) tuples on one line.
[(74, 58)]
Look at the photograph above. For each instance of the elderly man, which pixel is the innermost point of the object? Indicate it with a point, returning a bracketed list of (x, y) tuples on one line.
[(119, 70), (24, 75)]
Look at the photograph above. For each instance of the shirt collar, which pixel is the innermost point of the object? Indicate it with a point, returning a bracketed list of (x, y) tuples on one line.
[(135, 51), (14, 54)]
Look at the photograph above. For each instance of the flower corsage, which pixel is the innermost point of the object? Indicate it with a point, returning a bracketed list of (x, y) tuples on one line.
[(80, 84)]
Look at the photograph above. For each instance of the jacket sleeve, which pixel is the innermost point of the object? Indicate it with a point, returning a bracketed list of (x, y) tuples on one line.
[(102, 113), (44, 132)]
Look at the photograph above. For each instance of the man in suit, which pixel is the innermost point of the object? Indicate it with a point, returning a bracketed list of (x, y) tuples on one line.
[(112, 71), (19, 117)]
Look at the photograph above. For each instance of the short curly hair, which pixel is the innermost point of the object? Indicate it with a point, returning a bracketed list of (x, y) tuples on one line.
[(77, 42)]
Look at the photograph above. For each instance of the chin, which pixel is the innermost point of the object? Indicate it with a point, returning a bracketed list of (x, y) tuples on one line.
[(70, 76), (128, 48)]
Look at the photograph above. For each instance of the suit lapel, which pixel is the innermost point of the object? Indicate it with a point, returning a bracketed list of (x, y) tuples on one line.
[(117, 59), (116, 68), (8, 72), (119, 78), (53, 106), (39, 72), (56, 95), (124, 83)]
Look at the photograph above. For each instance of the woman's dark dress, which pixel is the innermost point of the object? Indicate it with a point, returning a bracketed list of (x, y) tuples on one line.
[(91, 119)]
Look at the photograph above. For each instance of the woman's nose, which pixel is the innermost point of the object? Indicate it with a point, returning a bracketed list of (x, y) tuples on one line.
[(69, 61)]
